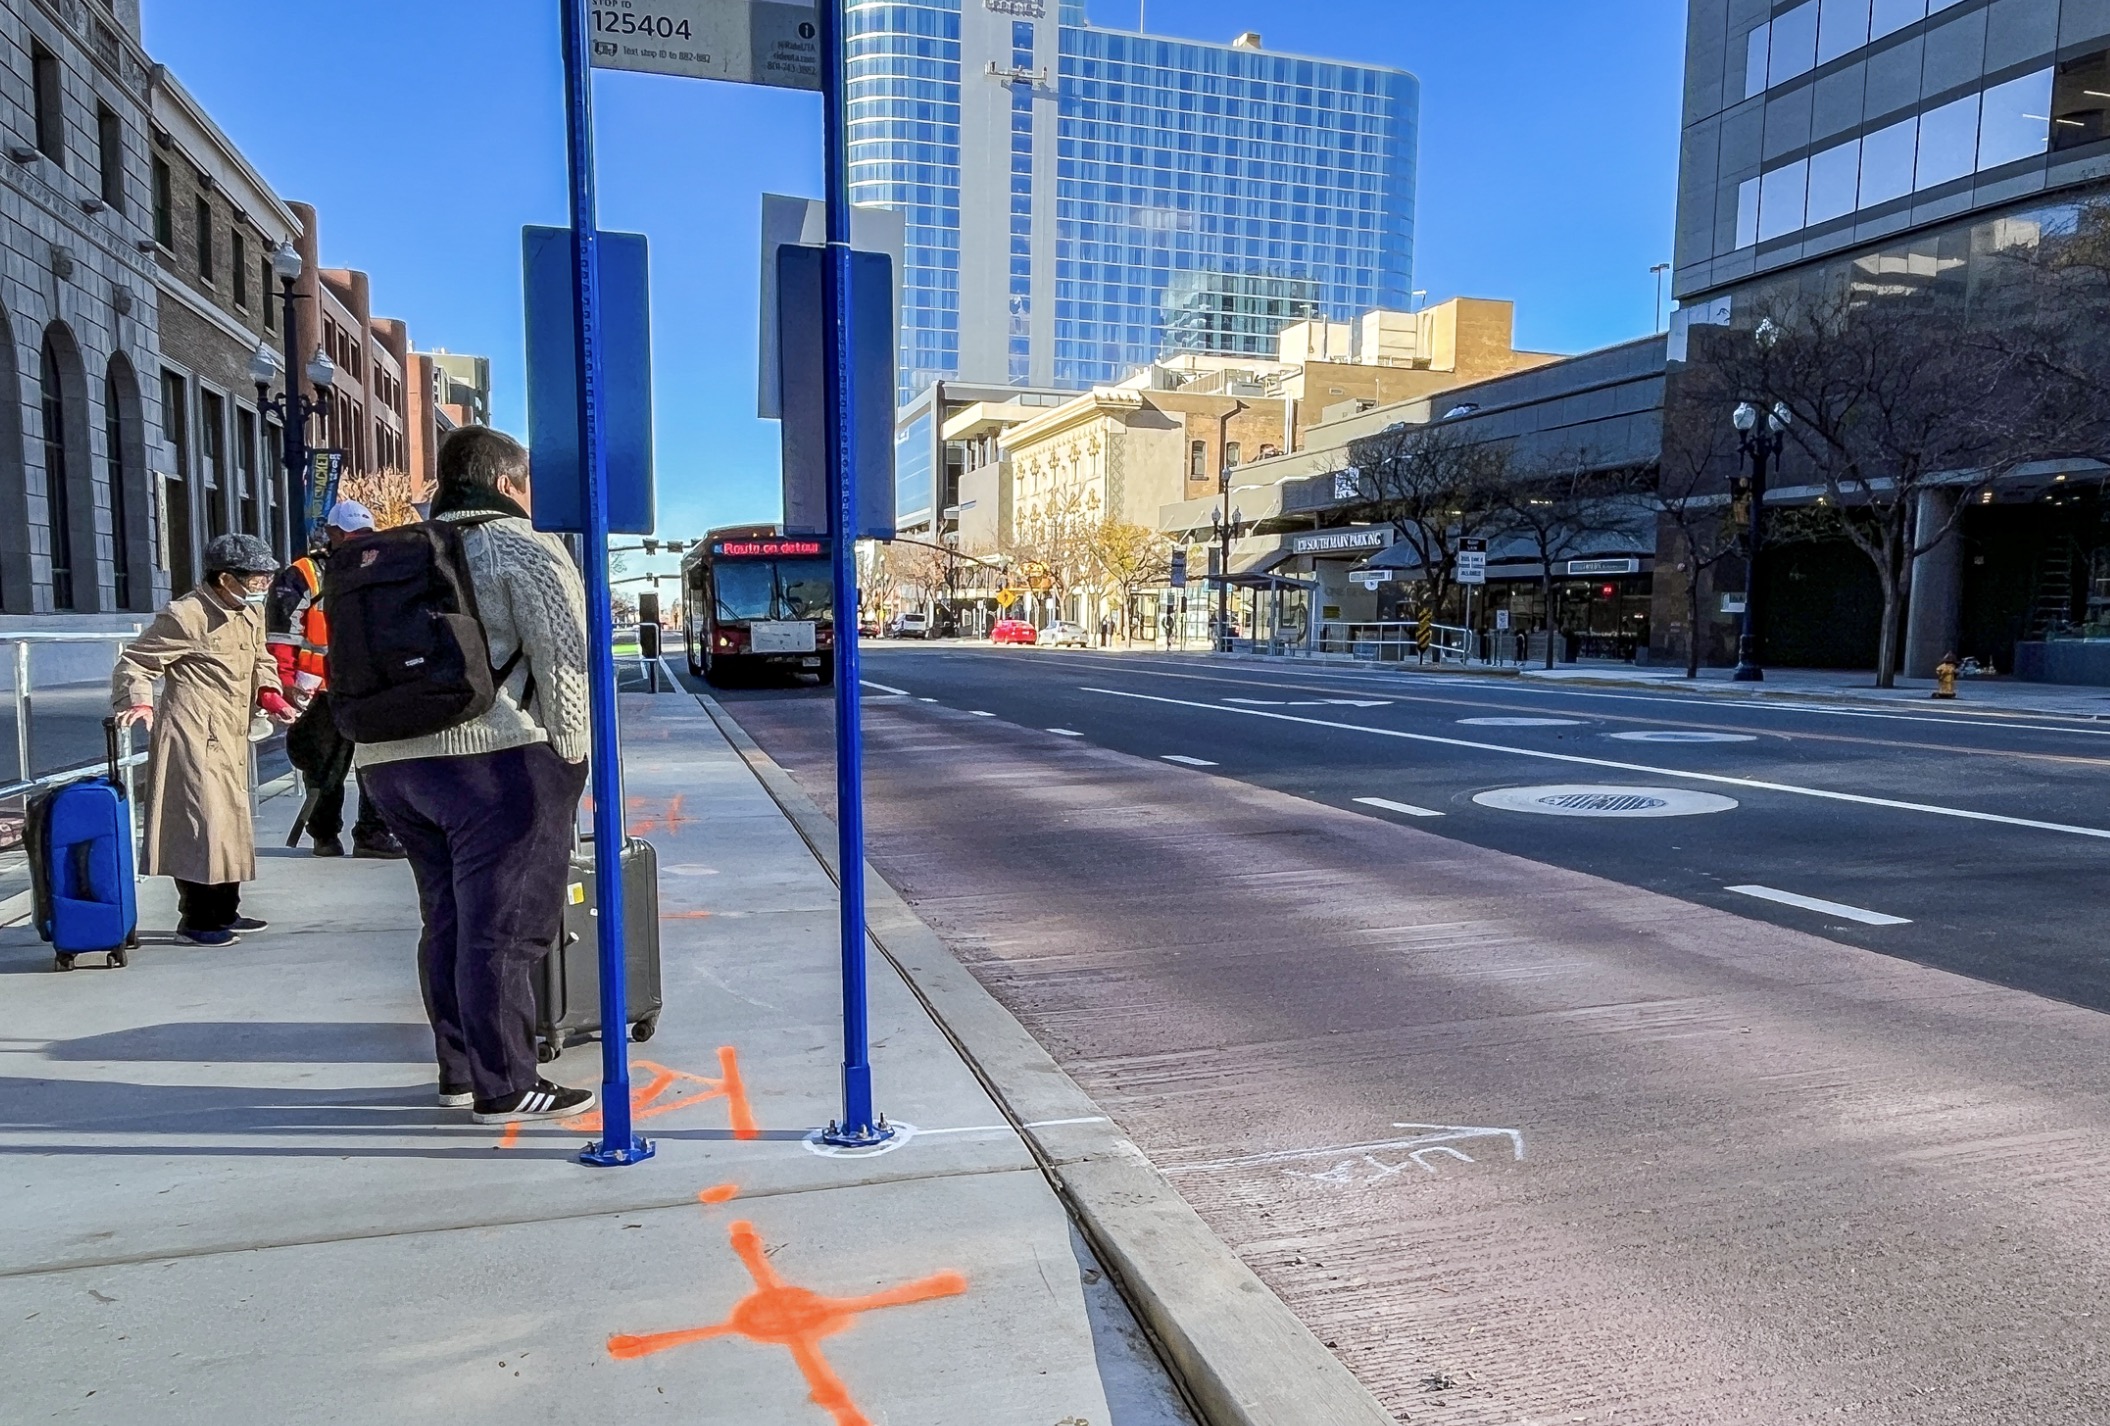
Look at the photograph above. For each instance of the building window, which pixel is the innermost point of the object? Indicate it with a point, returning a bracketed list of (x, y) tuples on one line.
[(175, 430), (202, 215), (58, 504), (251, 489), (2080, 101), (48, 96), (110, 157), (114, 465), (264, 287), (238, 269), (212, 436), (1232, 455), (1198, 461), (164, 206)]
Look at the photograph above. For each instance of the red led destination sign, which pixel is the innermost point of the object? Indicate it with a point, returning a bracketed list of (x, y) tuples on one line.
[(766, 549)]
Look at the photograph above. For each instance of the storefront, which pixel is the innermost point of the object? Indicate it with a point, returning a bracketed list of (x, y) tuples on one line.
[(1600, 599)]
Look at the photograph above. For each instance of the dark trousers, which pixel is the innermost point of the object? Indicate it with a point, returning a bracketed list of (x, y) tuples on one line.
[(489, 839), (207, 906), (316, 747)]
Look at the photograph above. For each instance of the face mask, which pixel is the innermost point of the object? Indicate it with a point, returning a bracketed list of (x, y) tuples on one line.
[(257, 600)]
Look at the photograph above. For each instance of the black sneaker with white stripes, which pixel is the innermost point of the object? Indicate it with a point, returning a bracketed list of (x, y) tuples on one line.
[(541, 1100)]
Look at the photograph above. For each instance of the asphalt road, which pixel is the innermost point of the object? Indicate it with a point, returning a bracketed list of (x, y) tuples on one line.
[(1530, 1116)]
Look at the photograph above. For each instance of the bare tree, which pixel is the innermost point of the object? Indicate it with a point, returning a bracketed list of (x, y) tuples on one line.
[(1434, 488), (1889, 399), (1559, 508), (1691, 499), (1054, 544), (387, 494)]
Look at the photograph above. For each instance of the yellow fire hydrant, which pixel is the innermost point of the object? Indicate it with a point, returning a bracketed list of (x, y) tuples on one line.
[(1945, 677)]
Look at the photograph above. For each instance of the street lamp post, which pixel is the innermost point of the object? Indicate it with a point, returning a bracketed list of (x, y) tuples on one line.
[(292, 408), (1761, 448), (1225, 522)]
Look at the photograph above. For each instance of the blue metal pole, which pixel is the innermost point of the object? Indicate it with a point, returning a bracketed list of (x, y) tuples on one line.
[(617, 1144), (859, 1125)]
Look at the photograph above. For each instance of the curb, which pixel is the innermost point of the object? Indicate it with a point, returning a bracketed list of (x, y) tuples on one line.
[(1243, 1358)]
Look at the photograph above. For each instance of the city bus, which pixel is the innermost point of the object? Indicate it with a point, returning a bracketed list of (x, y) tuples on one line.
[(756, 599)]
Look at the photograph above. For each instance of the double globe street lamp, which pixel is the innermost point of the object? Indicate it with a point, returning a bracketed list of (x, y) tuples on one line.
[(292, 408), (1762, 448)]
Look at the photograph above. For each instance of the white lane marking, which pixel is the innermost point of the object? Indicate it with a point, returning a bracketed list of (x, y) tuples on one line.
[(926, 700), (1313, 702), (1829, 908), (1674, 735), (1066, 732), (1184, 761), (1826, 794), (1520, 722), (1405, 808), (1006, 1128), (979, 713), (883, 688)]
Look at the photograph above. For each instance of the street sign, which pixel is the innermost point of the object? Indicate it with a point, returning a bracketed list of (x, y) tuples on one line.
[(1179, 569), (773, 42), (1732, 603), (625, 342), (1005, 598), (1472, 562), (1501, 618), (801, 349)]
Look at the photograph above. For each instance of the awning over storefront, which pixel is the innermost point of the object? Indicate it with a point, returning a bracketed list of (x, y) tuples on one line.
[(1611, 552)]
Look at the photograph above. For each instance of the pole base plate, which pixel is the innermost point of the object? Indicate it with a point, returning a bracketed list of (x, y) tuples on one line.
[(1748, 673), (844, 1136), (602, 1154)]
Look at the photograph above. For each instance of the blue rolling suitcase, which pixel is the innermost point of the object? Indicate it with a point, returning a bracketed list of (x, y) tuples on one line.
[(79, 839)]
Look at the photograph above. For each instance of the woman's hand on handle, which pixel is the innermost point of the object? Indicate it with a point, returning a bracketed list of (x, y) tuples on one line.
[(140, 713)]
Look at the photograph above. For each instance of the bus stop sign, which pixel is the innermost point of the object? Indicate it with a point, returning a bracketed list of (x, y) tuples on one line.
[(553, 376)]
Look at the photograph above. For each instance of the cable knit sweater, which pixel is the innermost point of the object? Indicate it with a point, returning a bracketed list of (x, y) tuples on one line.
[(531, 598)]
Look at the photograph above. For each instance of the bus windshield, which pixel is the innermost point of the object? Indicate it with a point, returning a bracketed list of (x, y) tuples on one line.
[(773, 589)]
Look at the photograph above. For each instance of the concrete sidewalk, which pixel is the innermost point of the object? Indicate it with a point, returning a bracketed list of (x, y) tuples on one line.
[(233, 1200)]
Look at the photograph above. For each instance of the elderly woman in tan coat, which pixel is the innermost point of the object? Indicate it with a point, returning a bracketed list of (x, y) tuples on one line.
[(207, 648)]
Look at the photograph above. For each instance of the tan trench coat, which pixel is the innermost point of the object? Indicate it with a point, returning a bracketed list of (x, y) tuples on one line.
[(212, 661)]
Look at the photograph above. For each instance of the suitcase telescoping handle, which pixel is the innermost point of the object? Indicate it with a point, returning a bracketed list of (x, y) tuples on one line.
[(114, 738)]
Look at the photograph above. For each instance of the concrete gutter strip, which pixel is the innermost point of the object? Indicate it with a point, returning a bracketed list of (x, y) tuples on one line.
[(1241, 1355)]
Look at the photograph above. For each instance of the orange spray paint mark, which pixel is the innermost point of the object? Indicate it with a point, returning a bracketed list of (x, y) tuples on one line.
[(685, 916), (664, 1091), (795, 1318), (719, 1193)]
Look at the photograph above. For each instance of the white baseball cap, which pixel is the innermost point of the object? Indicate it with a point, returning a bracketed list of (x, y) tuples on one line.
[(351, 517)]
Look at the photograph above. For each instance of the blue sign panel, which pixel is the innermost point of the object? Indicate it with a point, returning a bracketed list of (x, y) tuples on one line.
[(807, 509), (553, 377)]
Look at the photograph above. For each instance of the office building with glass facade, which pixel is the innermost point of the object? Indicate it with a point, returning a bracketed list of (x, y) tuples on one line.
[(1057, 178), (1928, 152)]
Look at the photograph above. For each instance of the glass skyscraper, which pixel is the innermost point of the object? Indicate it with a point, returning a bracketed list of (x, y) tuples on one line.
[(1059, 180)]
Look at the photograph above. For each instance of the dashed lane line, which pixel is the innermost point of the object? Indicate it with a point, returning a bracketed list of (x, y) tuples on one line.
[(1184, 761), (1066, 732), (981, 713), (884, 688), (1828, 908), (1757, 784), (1405, 809)]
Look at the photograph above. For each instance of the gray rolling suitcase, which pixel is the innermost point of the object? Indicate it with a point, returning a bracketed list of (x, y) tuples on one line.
[(568, 984)]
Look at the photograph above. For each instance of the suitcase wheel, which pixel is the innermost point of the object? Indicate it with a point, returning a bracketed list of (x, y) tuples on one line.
[(118, 959), (644, 1030), (62, 961), (546, 1050)]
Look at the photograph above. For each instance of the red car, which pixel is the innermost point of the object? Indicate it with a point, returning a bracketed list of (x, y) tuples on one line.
[(1013, 631)]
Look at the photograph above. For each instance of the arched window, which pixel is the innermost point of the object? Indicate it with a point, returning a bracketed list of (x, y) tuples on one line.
[(17, 586), (69, 477), (58, 494), (131, 504)]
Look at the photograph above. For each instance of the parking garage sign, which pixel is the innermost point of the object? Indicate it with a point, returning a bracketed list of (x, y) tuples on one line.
[(772, 42)]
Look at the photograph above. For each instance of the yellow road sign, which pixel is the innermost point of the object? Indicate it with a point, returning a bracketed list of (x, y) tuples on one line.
[(1005, 598)]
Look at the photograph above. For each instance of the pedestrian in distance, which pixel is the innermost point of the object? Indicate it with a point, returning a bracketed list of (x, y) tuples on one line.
[(297, 629), (487, 809), (207, 650)]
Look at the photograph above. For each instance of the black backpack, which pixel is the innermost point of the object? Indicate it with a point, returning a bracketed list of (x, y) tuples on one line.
[(408, 656)]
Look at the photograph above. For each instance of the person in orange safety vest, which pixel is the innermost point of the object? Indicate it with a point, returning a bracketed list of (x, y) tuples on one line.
[(298, 634)]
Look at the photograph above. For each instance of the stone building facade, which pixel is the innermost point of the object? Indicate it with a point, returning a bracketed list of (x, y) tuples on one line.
[(79, 407)]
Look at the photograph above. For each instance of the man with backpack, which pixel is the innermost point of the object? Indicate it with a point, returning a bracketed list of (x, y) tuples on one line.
[(458, 665), (298, 633)]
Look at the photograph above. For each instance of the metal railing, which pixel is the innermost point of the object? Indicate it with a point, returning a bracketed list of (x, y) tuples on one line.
[(1398, 642), (25, 703)]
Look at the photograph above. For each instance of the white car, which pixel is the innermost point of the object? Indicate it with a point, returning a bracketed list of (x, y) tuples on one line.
[(1063, 634), (911, 626)]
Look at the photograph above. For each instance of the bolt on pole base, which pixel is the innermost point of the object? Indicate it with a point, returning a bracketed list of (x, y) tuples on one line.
[(847, 1136), (602, 1154)]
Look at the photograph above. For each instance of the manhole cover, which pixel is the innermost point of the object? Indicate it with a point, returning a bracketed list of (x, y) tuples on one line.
[(1677, 735), (1521, 722), (1579, 800)]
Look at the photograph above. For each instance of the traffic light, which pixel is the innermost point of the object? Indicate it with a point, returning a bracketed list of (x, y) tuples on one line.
[(651, 545)]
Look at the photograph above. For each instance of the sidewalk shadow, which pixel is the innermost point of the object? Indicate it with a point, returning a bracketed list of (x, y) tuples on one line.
[(253, 1042)]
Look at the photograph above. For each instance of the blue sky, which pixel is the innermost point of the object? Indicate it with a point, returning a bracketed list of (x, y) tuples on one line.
[(426, 135)]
